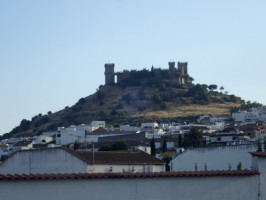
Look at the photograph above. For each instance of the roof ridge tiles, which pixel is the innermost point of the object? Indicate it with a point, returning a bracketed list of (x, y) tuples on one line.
[(29, 177)]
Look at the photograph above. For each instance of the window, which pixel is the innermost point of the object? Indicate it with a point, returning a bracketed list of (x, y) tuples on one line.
[(219, 139), (58, 135)]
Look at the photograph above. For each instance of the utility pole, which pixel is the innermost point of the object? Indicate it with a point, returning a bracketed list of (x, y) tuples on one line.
[(92, 153)]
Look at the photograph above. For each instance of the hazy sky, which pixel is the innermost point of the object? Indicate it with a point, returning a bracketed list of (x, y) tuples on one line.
[(53, 52)]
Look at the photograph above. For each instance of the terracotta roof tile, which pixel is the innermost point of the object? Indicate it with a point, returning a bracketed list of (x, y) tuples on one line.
[(259, 154), (39, 177), (100, 130)]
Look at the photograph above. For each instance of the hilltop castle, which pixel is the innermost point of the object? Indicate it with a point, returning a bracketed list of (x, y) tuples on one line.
[(173, 74)]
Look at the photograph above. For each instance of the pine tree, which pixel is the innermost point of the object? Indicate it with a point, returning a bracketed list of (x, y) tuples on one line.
[(153, 153), (164, 147), (239, 166), (259, 147)]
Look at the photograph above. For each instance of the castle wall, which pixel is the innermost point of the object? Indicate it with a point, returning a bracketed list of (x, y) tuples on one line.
[(182, 68), (122, 75)]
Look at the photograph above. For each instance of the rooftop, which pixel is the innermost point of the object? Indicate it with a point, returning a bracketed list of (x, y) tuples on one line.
[(22, 143), (40, 177), (136, 157), (259, 154)]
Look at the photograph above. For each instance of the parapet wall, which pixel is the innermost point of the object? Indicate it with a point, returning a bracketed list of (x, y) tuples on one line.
[(156, 73)]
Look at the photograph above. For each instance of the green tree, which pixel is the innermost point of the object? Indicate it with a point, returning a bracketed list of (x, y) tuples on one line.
[(180, 140), (199, 93), (222, 89), (167, 160), (153, 153), (120, 145), (164, 146), (193, 138), (105, 148), (212, 87), (259, 146), (229, 167), (81, 101), (239, 166), (24, 124)]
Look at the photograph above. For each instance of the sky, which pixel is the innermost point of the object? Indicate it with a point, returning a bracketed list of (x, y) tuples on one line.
[(52, 52)]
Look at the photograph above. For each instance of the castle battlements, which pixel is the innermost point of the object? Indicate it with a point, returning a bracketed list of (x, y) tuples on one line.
[(177, 74)]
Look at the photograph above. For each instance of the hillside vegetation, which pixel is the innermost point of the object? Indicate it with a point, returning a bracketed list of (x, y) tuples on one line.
[(132, 105)]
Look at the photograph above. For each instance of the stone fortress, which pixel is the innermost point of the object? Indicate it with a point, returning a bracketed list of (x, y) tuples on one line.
[(178, 75)]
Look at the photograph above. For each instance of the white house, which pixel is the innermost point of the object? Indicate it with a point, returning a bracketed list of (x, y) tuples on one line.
[(62, 160), (4, 150), (76, 133), (98, 124), (152, 130), (213, 158), (129, 128), (152, 125), (231, 137), (253, 115), (43, 139), (22, 145)]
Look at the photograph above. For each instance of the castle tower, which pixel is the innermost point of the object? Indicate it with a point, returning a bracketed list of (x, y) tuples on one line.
[(171, 67), (109, 74), (182, 67)]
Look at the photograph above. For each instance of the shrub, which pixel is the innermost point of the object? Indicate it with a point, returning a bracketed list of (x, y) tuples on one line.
[(105, 148), (81, 101)]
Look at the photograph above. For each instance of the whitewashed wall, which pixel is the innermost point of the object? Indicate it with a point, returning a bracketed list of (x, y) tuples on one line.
[(259, 164), (186, 188), (216, 158), (125, 168), (43, 161)]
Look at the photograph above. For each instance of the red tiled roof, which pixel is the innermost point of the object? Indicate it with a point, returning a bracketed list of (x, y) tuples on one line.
[(260, 154), (39, 177), (100, 130)]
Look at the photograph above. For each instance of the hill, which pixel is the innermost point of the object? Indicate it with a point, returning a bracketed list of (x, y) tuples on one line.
[(126, 104)]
